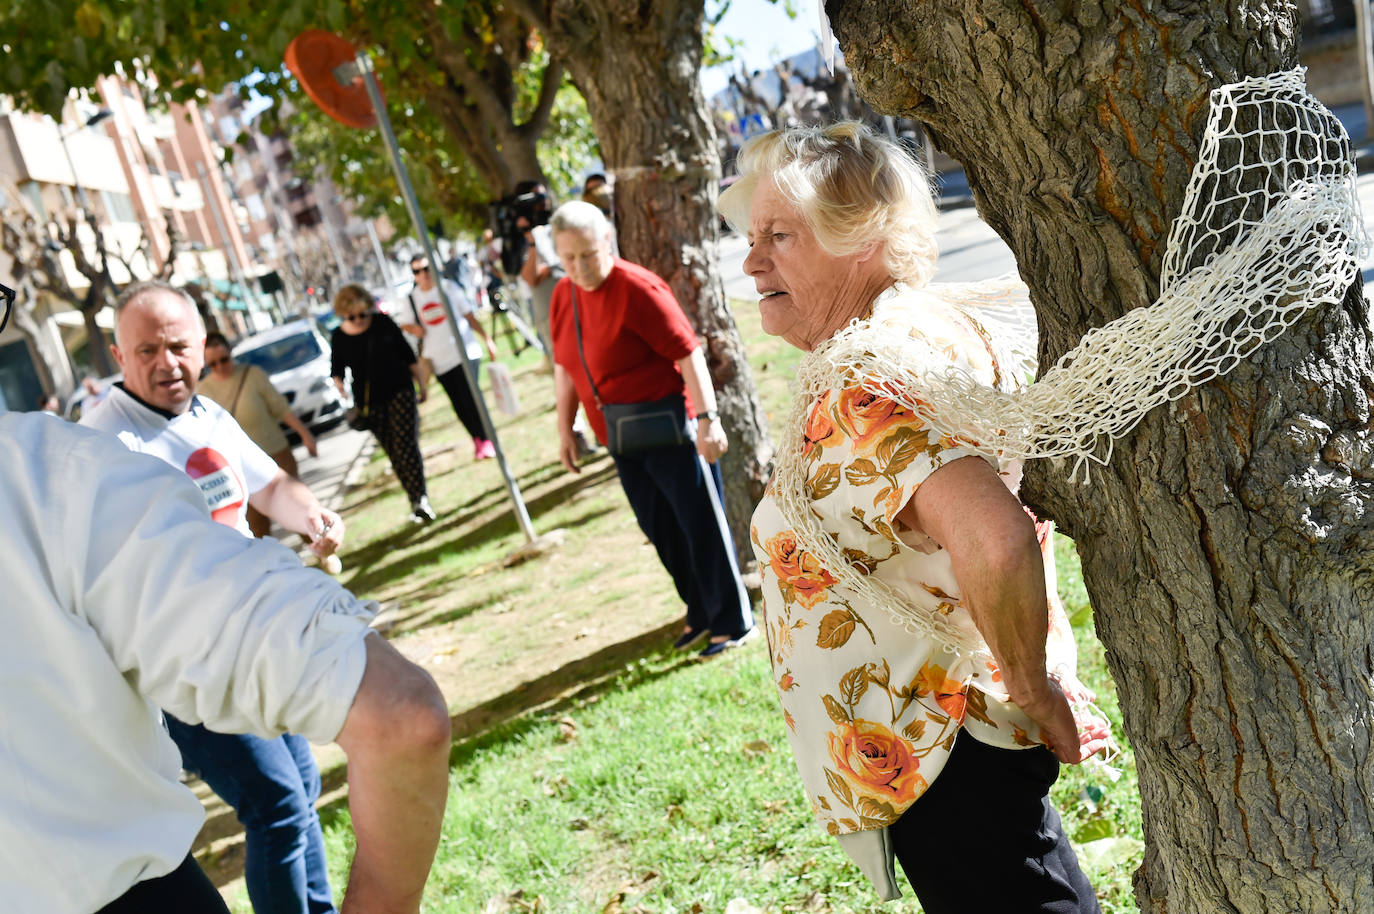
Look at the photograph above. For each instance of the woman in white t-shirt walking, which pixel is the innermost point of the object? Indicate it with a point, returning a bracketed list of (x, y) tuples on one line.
[(431, 325)]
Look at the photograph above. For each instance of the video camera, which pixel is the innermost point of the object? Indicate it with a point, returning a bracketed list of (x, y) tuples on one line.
[(511, 217)]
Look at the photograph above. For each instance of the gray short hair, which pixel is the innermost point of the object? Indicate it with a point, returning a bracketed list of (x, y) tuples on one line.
[(135, 293), (578, 216), (853, 187)]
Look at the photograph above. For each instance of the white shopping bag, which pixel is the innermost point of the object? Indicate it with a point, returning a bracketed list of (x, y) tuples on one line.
[(503, 389)]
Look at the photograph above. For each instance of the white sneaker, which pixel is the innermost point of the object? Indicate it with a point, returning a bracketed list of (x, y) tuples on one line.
[(421, 512)]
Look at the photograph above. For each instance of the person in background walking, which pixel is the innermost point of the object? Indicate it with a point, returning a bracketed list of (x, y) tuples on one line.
[(368, 345), (432, 326), (248, 395)]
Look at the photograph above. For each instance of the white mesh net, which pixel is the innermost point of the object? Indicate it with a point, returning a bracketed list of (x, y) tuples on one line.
[(1270, 228)]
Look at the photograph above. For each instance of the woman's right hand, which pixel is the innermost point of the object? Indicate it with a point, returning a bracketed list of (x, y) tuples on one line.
[(1072, 738), (568, 451)]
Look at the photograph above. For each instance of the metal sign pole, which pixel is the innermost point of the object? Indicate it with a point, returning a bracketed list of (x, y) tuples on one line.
[(364, 69)]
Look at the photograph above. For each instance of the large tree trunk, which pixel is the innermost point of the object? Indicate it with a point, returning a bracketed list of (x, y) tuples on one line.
[(1227, 547), (637, 65)]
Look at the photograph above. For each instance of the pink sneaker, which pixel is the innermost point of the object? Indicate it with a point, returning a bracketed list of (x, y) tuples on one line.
[(483, 449)]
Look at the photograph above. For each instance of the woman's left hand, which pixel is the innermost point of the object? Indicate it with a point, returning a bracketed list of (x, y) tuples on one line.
[(711, 440)]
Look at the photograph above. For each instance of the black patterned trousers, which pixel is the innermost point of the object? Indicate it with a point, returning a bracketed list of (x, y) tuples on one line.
[(397, 427)]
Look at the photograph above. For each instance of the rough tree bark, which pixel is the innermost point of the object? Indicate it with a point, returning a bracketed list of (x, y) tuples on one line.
[(1227, 547), (637, 65)]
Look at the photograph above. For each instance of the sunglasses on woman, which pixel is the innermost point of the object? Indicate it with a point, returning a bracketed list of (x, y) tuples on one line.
[(360, 316)]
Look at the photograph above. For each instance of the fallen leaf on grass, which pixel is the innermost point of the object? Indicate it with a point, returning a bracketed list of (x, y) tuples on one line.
[(567, 729), (556, 785), (616, 904), (580, 823), (757, 747), (515, 901), (774, 806), (673, 811), (442, 654)]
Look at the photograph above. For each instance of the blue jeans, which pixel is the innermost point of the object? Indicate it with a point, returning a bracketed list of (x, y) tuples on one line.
[(272, 784)]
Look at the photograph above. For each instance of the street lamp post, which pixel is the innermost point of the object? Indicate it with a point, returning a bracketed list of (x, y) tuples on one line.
[(62, 135)]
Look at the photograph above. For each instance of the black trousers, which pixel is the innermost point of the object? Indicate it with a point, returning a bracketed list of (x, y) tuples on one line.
[(984, 837), (667, 491), (397, 427), (185, 890), (460, 394)]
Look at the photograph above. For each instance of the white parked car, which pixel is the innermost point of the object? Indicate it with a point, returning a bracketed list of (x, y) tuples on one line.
[(296, 359)]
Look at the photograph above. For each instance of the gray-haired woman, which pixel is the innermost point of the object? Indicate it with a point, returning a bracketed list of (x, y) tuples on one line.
[(620, 337), (924, 663)]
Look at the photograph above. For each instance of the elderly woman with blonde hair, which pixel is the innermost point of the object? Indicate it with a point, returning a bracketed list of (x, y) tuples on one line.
[(923, 660)]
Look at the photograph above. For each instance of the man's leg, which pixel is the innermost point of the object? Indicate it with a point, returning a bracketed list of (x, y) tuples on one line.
[(261, 781), (319, 897)]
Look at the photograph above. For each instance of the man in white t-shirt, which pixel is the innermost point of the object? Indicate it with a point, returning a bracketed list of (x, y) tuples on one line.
[(272, 784), (432, 325), (122, 596)]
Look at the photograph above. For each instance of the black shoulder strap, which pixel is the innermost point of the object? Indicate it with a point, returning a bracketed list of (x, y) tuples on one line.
[(577, 322)]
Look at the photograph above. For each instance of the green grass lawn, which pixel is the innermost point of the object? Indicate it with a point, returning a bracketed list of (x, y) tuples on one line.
[(669, 787)]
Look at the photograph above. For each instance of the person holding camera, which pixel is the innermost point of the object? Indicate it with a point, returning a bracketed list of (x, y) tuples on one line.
[(540, 269)]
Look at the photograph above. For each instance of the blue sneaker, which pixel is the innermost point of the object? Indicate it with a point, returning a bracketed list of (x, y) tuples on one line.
[(689, 637)]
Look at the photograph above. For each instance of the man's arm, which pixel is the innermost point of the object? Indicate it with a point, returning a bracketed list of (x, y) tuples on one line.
[(289, 502), (396, 737), (711, 440)]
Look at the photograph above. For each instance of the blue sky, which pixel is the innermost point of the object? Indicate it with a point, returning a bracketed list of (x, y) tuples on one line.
[(768, 35)]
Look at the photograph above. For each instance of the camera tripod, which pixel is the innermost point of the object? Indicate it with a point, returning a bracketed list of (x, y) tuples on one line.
[(519, 334)]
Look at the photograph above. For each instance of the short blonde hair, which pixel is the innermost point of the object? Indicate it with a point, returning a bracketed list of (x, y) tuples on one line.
[(853, 188), (347, 299)]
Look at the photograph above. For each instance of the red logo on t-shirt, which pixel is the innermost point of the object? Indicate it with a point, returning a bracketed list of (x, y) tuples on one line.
[(221, 486), (432, 313)]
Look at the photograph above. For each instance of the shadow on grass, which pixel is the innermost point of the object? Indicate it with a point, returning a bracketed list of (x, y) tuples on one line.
[(378, 565), (512, 715), (491, 723)]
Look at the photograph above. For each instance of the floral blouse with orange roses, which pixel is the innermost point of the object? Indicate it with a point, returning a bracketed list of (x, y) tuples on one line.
[(872, 708)]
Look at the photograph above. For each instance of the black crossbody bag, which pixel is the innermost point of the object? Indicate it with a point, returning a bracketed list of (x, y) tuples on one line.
[(633, 428)]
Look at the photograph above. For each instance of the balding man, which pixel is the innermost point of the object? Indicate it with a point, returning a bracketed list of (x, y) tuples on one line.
[(272, 784)]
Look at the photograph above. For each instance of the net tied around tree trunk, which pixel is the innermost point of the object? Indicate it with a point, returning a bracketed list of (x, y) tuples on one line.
[(1270, 228)]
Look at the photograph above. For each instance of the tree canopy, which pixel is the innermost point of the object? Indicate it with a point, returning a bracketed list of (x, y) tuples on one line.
[(469, 82)]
